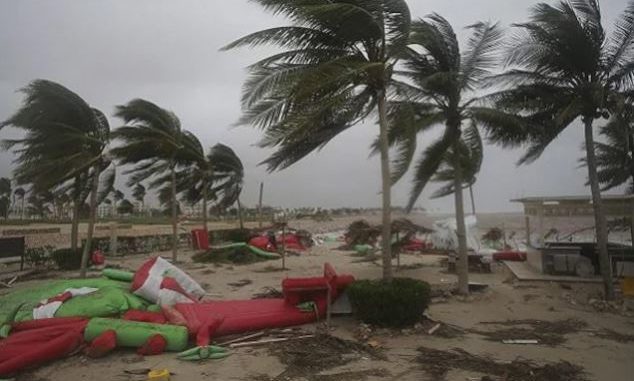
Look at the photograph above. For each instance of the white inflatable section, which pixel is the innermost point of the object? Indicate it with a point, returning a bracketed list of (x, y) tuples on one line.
[(151, 288)]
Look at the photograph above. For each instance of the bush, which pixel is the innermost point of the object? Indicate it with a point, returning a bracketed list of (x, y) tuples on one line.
[(398, 303), (234, 235), (67, 259), (38, 256)]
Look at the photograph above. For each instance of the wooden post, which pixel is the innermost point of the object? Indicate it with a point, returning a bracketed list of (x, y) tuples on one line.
[(260, 206), (284, 246), (113, 238), (540, 216), (398, 254), (527, 220), (632, 220)]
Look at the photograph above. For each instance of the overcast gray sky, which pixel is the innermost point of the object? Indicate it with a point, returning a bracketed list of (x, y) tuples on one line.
[(167, 51)]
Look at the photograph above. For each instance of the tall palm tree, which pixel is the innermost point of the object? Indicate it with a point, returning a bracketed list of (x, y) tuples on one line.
[(562, 68), (151, 140), (439, 83), (138, 192), (334, 71), (217, 175), (64, 144)]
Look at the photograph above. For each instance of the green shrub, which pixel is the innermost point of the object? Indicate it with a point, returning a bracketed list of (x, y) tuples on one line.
[(38, 256), (67, 259), (235, 235), (398, 303)]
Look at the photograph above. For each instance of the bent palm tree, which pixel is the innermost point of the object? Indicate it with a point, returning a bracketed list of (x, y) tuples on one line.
[(218, 175), (64, 144), (615, 156), (562, 67), (151, 140), (440, 79), (138, 192), (471, 156), (334, 71)]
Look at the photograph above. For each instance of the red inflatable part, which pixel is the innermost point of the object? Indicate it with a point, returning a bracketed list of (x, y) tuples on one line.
[(415, 245), (173, 316), (200, 239), (32, 347), (515, 256), (45, 323), (102, 344), (155, 345), (208, 329), (291, 242), (263, 243), (145, 316), (97, 258), (251, 315)]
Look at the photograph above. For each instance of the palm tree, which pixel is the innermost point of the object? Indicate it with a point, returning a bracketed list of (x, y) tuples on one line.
[(20, 193), (440, 80), (471, 156), (615, 156), (334, 71), (562, 68), (217, 175), (64, 144), (151, 140), (117, 195), (5, 197), (138, 192)]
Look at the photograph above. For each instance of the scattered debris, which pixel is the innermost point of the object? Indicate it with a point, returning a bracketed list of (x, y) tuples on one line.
[(240, 283), (609, 334), (242, 338), (438, 363), (239, 255), (268, 293), (520, 341), (433, 329), (268, 341), (306, 358), (551, 333)]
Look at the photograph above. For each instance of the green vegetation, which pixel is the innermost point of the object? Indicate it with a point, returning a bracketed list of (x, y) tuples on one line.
[(398, 303), (67, 259)]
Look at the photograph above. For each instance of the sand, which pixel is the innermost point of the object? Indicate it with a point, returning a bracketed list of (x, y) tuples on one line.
[(602, 359)]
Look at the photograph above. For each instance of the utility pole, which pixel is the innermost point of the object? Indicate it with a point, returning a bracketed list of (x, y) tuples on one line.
[(260, 206)]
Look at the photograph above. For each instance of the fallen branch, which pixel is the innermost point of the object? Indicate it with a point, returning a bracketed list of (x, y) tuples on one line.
[(267, 341), (242, 338)]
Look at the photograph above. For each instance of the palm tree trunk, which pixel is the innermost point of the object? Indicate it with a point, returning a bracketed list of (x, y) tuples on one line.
[(205, 207), (91, 221), (240, 214), (174, 217), (462, 266), (22, 207), (386, 183), (473, 210), (599, 215), (74, 224)]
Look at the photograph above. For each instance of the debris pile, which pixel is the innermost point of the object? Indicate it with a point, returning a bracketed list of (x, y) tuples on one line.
[(438, 363), (551, 333)]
